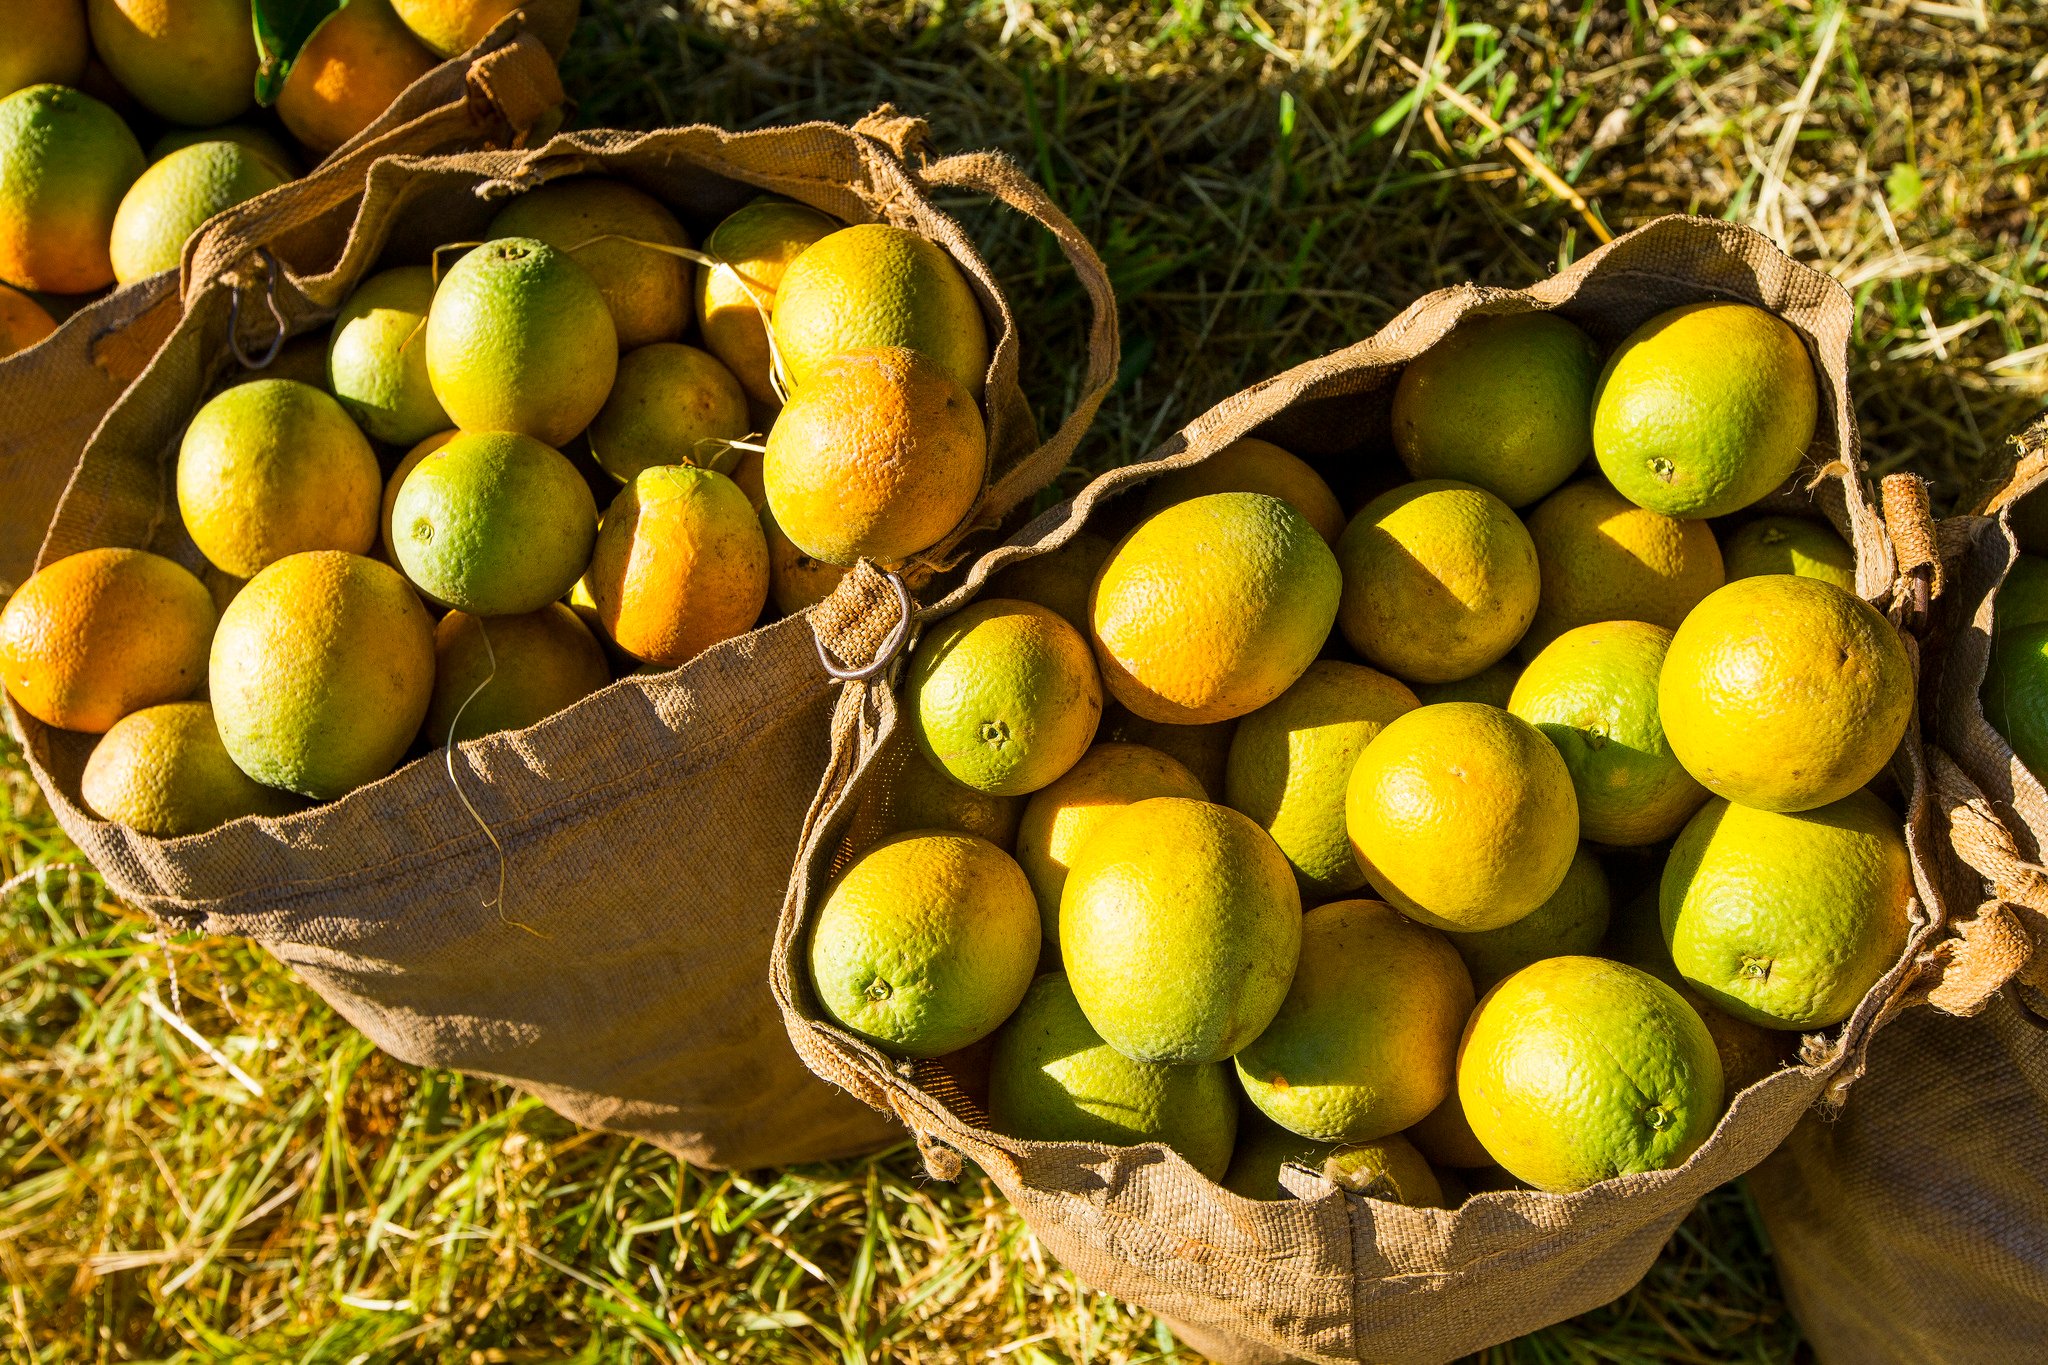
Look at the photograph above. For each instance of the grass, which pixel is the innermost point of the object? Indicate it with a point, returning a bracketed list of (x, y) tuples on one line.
[(1266, 183)]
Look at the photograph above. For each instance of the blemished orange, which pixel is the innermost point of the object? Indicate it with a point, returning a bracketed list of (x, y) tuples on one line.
[(46, 44), (357, 61), (164, 772), (877, 456), (1250, 465), (23, 322), (451, 27), (190, 61), (397, 479), (96, 635), (65, 162), (755, 246), (681, 564)]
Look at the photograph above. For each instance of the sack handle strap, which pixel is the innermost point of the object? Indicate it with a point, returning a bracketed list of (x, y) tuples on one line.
[(1000, 178), (506, 92)]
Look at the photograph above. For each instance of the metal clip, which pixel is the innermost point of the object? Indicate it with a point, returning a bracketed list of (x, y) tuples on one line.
[(272, 270)]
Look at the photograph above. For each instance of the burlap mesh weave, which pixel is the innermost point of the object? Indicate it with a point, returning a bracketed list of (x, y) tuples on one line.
[(1335, 1276), (643, 837), (1913, 1229)]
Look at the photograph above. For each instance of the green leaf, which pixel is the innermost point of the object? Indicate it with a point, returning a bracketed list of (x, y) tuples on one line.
[(1903, 188), (282, 27)]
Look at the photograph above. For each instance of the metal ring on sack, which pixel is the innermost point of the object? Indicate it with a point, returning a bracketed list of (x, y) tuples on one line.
[(277, 314), (890, 647)]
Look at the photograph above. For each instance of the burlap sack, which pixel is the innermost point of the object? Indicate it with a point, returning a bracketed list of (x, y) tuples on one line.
[(1913, 1229), (55, 393), (584, 908), (1334, 1276)]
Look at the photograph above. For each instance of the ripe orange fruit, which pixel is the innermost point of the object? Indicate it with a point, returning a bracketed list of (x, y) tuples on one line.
[(1250, 465), (680, 564), (1003, 696), (377, 357), (191, 61), (795, 580), (355, 63), (671, 404), (877, 456), (171, 199), (321, 673), (879, 286), (452, 27), (1794, 545), (1440, 580), (46, 45), (509, 672), (257, 139), (1061, 817), (1704, 409), (271, 468), (756, 243), (600, 224), (1463, 816), (1213, 607), (163, 771), (519, 339), (494, 523), (1785, 693), (101, 633), (65, 161), (1605, 559), (22, 321)]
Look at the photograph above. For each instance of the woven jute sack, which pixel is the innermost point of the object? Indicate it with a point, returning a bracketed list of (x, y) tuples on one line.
[(1913, 1228), (1333, 1276), (55, 393), (584, 908)]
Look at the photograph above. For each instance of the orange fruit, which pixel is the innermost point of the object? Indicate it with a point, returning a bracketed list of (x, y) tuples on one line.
[(509, 672), (1704, 409), (271, 468), (925, 944), (1577, 1069), (1213, 607), (1574, 920), (878, 286), (671, 404), (1060, 817), (1250, 465), (1061, 580), (355, 63), (878, 456), (164, 772), (1203, 750), (495, 523), (795, 580), (1605, 559), (910, 794), (1440, 580), (1367, 1039), (377, 357), (1504, 402), (452, 27), (1003, 696), (519, 339), (1463, 816), (1794, 545), (603, 225), (191, 61), (23, 322), (397, 481), (1785, 693), (65, 162), (756, 245), (680, 564), (1447, 1139), (257, 139), (173, 198), (99, 634), (46, 45), (321, 673)]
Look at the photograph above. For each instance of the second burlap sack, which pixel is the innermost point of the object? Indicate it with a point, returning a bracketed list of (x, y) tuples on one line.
[(1333, 1276), (1913, 1229), (584, 907)]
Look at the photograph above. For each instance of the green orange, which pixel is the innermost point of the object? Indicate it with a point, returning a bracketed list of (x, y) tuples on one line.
[(509, 672), (1004, 696), (163, 771), (377, 357), (1794, 545), (1060, 818), (671, 404), (1574, 920), (66, 161)]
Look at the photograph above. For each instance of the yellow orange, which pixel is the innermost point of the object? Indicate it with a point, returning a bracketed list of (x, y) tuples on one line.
[(46, 44), (356, 62), (680, 564), (755, 246), (452, 27), (191, 61), (1250, 465), (614, 232), (876, 285)]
